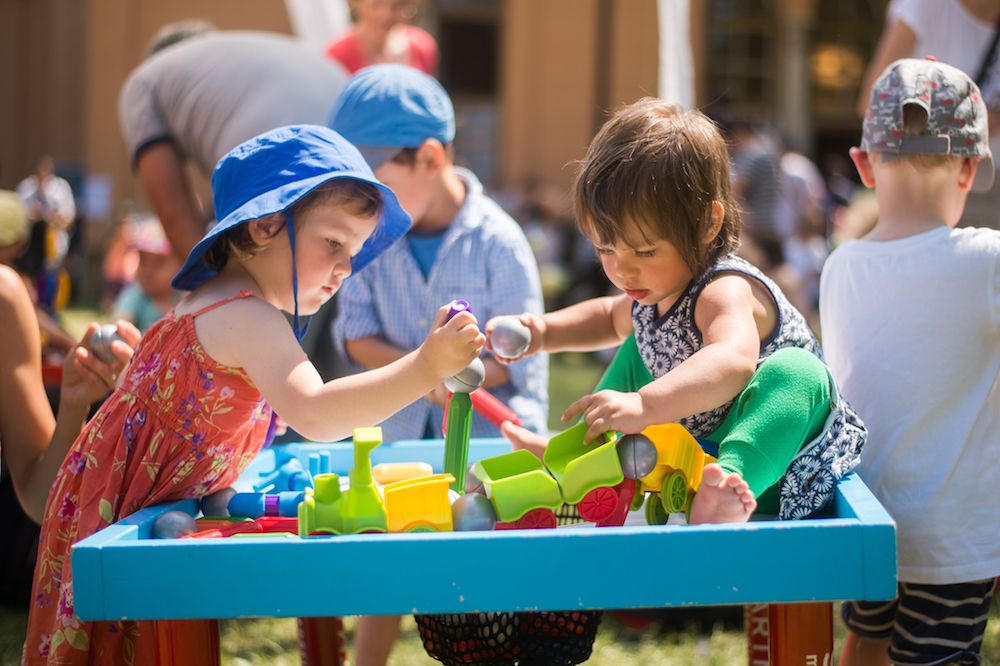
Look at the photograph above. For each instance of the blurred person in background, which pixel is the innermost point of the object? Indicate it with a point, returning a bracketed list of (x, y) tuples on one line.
[(51, 211), (963, 34), (381, 34), (756, 184), (145, 302), (14, 226)]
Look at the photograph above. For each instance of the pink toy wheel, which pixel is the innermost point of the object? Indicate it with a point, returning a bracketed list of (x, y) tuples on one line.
[(537, 519), (598, 504)]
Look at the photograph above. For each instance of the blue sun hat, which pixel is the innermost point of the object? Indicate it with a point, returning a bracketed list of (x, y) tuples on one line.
[(269, 173)]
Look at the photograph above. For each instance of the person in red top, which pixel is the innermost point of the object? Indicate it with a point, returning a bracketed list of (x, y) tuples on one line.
[(380, 35)]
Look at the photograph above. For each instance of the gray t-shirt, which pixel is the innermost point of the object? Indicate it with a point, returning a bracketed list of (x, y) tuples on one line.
[(212, 92)]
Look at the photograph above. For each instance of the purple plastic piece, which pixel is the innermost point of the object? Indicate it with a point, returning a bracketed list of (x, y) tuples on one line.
[(456, 307), (271, 505)]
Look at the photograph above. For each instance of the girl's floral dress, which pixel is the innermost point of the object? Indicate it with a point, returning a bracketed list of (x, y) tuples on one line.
[(179, 425)]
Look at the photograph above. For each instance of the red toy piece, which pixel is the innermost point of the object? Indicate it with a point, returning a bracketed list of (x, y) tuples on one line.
[(247, 527)]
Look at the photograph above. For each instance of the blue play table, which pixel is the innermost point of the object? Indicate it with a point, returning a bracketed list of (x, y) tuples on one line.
[(847, 552)]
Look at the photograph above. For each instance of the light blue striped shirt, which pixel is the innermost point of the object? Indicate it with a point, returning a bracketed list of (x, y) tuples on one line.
[(484, 259)]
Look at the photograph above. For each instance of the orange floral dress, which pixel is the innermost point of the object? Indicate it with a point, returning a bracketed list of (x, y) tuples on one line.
[(179, 425)]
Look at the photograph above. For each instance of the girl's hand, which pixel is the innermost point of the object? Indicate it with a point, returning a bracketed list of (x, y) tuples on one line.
[(609, 410), (87, 378), (451, 345), (534, 323)]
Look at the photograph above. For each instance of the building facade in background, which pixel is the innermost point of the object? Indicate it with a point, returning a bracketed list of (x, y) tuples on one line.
[(532, 80)]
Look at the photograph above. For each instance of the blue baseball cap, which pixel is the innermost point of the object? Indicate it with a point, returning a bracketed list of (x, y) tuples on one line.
[(385, 108), (270, 172)]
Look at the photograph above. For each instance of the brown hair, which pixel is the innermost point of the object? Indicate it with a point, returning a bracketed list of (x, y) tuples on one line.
[(408, 156), (658, 167), (359, 198)]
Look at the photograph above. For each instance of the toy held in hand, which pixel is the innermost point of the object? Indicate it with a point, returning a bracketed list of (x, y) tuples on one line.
[(100, 342), (173, 524), (510, 338), (467, 380)]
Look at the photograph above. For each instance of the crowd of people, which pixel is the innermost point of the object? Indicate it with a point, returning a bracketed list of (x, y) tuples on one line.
[(708, 257)]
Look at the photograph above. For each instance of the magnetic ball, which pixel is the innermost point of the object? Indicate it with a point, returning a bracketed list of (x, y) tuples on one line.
[(217, 504), (467, 380), (100, 342), (473, 511), (472, 482), (637, 454), (510, 338), (173, 524)]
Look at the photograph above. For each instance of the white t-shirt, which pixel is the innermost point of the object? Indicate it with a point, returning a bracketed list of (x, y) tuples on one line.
[(946, 30), (911, 332), (210, 93)]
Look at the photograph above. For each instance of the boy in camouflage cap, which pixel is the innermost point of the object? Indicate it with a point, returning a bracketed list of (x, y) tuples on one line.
[(911, 330)]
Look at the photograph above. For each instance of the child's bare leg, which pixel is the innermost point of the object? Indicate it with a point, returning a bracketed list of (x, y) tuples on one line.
[(860, 652), (522, 438), (374, 637), (722, 497)]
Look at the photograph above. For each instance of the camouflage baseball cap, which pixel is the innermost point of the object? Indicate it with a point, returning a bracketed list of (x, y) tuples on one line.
[(956, 115)]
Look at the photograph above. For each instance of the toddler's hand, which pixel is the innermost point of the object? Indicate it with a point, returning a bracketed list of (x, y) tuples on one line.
[(451, 345), (608, 410), (534, 323)]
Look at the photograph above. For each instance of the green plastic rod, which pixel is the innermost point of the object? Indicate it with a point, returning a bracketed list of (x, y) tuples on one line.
[(456, 439)]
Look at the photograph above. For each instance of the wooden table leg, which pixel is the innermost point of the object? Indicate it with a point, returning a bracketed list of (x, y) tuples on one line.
[(756, 623), (321, 641), (187, 643), (801, 634)]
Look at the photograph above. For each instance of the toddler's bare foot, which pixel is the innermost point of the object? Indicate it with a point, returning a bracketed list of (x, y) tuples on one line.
[(723, 497), (522, 438)]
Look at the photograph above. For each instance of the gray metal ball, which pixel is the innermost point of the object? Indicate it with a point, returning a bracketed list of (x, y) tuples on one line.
[(467, 380), (510, 338), (100, 342), (637, 454), (473, 484), (217, 504), (473, 512), (174, 524)]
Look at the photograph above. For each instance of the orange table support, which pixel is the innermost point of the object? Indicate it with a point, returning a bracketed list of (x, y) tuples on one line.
[(799, 634), (321, 641), (187, 642)]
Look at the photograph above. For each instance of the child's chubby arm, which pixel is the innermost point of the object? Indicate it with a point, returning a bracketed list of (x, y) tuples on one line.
[(593, 324), (262, 343), (733, 315)]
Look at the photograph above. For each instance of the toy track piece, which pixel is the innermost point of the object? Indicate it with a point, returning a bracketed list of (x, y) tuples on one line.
[(598, 504), (655, 514), (537, 519), (675, 493)]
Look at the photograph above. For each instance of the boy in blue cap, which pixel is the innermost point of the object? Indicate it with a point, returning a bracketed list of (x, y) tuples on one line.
[(461, 246), (298, 210)]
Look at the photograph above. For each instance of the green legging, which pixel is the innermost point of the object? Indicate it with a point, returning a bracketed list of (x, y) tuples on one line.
[(783, 407)]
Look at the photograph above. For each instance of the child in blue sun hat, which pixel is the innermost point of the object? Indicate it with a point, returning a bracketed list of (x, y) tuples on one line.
[(299, 210)]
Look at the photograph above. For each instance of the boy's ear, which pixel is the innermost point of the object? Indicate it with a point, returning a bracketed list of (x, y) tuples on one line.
[(431, 156), (717, 214), (864, 167), (967, 174), (263, 229)]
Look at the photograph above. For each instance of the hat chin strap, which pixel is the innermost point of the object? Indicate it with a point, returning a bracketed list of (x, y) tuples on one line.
[(300, 331)]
